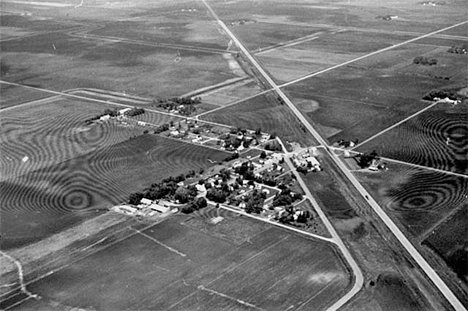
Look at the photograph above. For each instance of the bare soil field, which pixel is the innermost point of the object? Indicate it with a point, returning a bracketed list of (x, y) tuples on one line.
[(266, 113), (172, 267), (435, 138), (60, 62), (90, 182)]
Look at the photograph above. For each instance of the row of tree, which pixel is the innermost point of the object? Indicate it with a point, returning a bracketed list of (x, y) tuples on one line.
[(421, 60)]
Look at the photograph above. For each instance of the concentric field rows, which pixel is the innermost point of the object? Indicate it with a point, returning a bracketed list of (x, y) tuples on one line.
[(54, 132), (434, 138), (104, 176), (418, 198)]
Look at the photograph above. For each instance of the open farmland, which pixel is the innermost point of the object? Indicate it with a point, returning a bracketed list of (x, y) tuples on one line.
[(335, 117), (266, 113), (417, 198), (54, 130), (450, 241), (95, 180), (436, 138), (324, 50), (413, 17), (180, 266), (60, 61)]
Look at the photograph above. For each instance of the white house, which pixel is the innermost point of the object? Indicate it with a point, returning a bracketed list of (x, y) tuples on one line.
[(105, 118), (146, 201)]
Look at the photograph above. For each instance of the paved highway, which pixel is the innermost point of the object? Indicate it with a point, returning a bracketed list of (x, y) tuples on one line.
[(358, 277), (446, 292)]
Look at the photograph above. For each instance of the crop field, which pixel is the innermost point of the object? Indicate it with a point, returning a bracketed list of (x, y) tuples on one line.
[(170, 266), (327, 49), (417, 199), (450, 241), (265, 113), (435, 138), (363, 14), (174, 27), (54, 130), (59, 61), (231, 93), (93, 181), (334, 117)]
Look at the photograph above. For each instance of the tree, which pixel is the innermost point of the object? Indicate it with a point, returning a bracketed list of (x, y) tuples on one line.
[(263, 155), (135, 198), (258, 131), (201, 203), (216, 195)]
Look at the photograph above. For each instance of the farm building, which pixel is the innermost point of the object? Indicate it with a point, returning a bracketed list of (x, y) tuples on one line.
[(123, 111), (105, 118), (159, 208)]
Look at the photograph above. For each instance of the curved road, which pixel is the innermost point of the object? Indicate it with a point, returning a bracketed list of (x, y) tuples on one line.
[(443, 288)]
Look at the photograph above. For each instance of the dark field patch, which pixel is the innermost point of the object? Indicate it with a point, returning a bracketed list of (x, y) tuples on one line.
[(417, 199), (394, 294), (436, 138), (263, 112), (450, 241), (95, 180), (170, 267)]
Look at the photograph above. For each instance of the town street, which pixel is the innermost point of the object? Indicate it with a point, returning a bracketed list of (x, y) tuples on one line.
[(453, 300)]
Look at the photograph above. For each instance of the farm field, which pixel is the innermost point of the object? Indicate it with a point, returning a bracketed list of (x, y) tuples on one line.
[(54, 130), (92, 181), (266, 113), (325, 50), (435, 138), (417, 198), (60, 62), (412, 16), (336, 117), (450, 241), (226, 95), (181, 266), (171, 27)]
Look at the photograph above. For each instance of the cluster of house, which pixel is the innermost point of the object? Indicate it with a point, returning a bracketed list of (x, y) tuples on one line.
[(146, 208), (307, 160)]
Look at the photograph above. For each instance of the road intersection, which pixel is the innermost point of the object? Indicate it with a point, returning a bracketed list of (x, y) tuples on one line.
[(424, 265)]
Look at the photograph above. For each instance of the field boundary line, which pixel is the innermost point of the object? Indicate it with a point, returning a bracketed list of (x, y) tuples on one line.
[(370, 54), (242, 302), (107, 103), (228, 270), (20, 276), (158, 242), (38, 278), (425, 167), (395, 125), (319, 237), (239, 101)]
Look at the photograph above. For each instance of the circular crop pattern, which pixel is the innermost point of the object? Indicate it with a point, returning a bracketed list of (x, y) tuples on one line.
[(427, 191), (436, 140)]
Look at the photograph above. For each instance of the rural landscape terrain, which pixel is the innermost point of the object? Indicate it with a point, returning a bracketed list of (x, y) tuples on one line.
[(233, 155)]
